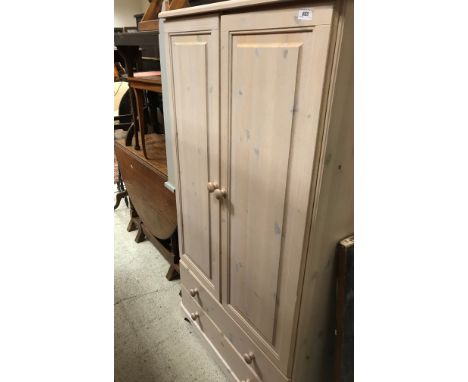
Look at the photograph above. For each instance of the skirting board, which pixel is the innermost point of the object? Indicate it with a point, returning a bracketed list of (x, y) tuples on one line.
[(210, 348)]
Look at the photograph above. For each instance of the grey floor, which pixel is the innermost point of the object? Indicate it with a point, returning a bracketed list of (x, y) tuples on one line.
[(152, 340)]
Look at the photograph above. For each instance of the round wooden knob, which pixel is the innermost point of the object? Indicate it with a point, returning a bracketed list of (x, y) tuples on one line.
[(249, 357), (193, 292), (220, 193), (212, 186), (194, 316)]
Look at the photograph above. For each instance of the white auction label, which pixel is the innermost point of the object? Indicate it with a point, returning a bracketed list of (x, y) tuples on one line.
[(304, 14)]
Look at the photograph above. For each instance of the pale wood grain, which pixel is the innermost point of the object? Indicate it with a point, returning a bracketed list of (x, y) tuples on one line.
[(270, 115), (262, 366), (332, 215), (219, 356), (274, 18), (285, 135), (190, 84), (231, 5), (261, 128), (193, 80), (170, 145), (217, 339), (196, 24)]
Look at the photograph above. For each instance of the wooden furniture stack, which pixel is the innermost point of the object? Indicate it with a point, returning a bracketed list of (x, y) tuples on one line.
[(142, 158), (153, 206), (262, 123), (129, 47)]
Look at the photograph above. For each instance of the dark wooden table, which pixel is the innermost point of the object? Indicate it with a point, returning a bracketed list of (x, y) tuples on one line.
[(153, 206)]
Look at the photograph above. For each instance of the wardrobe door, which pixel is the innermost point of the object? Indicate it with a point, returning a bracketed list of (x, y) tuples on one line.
[(273, 69), (193, 77)]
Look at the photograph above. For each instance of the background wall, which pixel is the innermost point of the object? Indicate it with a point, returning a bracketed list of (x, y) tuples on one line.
[(125, 9)]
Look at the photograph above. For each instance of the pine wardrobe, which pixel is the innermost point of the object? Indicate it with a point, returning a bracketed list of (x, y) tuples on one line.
[(260, 112)]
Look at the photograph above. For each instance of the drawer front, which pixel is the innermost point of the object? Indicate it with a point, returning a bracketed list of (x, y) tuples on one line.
[(230, 356), (261, 365)]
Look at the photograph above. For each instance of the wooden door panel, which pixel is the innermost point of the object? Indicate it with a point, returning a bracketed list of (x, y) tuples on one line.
[(272, 84), (260, 146), (191, 122), (195, 83)]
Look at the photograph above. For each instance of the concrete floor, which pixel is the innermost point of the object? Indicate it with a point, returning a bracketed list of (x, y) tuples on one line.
[(153, 343)]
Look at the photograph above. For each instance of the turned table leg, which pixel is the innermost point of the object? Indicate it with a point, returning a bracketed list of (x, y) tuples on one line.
[(134, 222), (172, 273)]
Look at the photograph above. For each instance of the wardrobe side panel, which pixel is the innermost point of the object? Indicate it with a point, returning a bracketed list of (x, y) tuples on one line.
[(332, 219)]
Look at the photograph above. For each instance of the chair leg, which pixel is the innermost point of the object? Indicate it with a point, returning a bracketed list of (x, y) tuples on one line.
[(135, 121), (141, 118), (118, 197), (132, 225)]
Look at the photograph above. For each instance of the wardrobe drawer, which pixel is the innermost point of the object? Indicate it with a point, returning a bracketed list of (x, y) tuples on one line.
[(261, 365), (195, 288), (203, 323)]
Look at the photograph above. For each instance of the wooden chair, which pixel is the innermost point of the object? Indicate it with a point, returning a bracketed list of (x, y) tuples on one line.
[(150, 21)]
